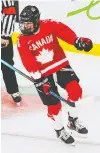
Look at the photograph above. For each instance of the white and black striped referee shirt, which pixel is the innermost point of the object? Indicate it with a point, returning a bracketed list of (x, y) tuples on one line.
[(8, 16)]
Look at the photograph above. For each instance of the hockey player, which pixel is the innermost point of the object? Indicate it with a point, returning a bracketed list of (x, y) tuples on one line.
[(42, 56)]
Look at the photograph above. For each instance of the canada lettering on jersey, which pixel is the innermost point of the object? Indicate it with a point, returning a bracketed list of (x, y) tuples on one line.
[(46, 40)]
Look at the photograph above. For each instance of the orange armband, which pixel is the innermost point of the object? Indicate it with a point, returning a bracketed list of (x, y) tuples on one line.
[(9, 11)]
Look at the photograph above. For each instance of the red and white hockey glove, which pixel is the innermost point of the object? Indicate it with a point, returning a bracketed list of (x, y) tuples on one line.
[(83, 44), (42, 85)]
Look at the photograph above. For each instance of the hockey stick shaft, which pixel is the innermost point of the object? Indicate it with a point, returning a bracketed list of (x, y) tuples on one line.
[(16, 70), (58, 97), (27, 77)]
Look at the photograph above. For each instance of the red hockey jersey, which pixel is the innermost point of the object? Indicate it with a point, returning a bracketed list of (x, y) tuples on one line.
[(41, 53)]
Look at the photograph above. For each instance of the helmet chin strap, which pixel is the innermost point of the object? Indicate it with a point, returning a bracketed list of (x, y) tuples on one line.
[(27, 32), (37, 31)]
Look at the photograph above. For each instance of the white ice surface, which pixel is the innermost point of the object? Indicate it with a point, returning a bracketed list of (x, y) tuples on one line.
[(33, 132)]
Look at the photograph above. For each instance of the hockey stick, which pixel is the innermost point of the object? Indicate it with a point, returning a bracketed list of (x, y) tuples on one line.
[(27, 77), (16, 70)]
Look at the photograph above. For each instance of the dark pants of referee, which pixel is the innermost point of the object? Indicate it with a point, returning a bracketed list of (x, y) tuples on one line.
[(9, 76)]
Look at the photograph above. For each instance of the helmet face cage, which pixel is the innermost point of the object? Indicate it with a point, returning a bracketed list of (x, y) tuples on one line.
[(29, 14), (24, 30)]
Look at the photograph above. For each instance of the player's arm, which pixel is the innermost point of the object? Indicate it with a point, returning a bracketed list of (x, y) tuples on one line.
[(65, 33), (28, 60)]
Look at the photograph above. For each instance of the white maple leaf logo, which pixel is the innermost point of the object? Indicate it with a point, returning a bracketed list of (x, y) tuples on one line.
[(45, 56)]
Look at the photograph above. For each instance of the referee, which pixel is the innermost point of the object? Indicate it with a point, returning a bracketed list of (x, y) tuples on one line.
[(8, 16)]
